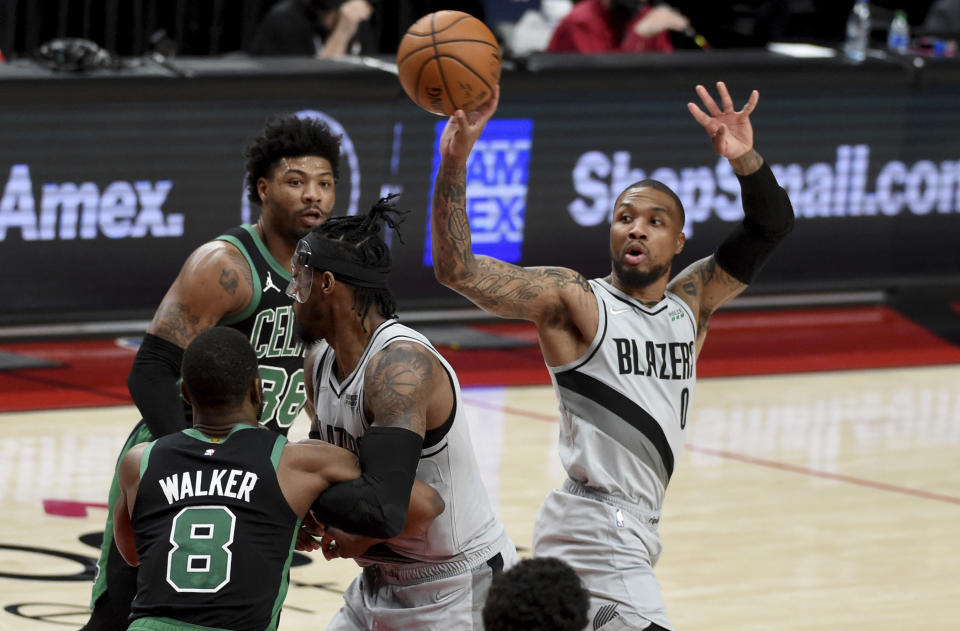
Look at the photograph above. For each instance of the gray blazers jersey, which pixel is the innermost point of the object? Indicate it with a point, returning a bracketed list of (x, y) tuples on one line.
[(624, 403), (467, 530)]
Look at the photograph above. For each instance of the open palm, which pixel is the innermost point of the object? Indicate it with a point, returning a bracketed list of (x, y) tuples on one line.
[(730, 131)]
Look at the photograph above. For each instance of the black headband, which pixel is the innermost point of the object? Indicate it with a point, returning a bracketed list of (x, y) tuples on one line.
[(322, 257)]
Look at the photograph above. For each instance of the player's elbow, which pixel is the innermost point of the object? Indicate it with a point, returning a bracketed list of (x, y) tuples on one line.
[(447, 277), (384, 522), (440, 274), (782, 223), (788, 223), (134, 379), (130, 556), (395, 518), (124, 540)]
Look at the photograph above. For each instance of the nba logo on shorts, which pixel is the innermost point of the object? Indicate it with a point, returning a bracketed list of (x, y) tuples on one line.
[(497, 173)]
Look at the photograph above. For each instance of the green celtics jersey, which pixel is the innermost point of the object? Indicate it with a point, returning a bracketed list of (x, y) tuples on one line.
[(268, 324)]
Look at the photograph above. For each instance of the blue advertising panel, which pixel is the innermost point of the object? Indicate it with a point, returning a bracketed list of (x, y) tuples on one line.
[(497, 172)]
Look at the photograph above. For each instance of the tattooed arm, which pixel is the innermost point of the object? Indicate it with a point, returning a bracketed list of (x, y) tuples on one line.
[(399, 386), (558, 300), (509, 291), (406, 391), (705, 286), (215, 281)]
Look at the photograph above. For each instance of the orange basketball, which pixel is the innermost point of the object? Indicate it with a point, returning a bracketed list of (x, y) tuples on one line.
[(448, 60)]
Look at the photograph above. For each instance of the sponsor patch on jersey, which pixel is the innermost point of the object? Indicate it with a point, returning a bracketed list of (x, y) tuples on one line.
[(676, 314), (352, 400), (209, 452)]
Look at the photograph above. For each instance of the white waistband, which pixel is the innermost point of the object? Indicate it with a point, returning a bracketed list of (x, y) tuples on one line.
[(417, 573)]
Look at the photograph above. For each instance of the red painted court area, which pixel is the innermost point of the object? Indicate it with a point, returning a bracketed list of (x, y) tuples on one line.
[(741, 343)]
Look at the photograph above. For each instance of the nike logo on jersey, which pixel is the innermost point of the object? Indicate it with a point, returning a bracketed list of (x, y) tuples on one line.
[(270, 284), (616, 311)]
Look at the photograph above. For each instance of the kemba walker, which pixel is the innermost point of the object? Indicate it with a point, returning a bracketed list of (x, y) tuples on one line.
[(382, 390)]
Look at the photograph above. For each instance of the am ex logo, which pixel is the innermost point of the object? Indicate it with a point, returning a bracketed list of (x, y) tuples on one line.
[(497, 175)]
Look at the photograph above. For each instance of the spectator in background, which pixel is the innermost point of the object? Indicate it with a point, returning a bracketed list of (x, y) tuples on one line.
[(617, 26), (317, 28), (532, 30), (541, 594)]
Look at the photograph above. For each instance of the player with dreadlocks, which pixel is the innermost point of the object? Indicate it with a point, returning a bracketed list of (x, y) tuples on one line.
[(380, 389)]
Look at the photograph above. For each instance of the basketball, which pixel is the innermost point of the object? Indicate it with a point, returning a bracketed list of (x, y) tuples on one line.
[(448, 60)]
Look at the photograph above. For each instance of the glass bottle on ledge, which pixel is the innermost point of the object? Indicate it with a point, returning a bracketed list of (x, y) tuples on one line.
[(858, 32)]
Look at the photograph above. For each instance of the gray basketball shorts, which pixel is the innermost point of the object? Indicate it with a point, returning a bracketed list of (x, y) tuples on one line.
[(449, 601), (613, 549)]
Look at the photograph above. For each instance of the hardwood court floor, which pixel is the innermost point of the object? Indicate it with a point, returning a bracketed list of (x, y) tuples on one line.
[(827, 500)]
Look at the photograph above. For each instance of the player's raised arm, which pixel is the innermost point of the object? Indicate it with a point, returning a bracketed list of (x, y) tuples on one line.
[(768, 214), (538, 294)]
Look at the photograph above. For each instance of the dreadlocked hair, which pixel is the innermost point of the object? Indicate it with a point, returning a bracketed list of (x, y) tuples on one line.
[(360, 239)]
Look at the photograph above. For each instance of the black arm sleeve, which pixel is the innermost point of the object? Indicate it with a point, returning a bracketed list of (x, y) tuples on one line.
[(153, 385), (767, 219), (375, 505)]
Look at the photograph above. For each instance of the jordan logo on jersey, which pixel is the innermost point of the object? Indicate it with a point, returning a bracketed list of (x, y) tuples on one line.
[(269, 284)]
